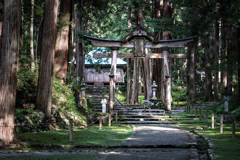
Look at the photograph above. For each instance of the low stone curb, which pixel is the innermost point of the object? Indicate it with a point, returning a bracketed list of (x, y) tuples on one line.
[(210, 153)]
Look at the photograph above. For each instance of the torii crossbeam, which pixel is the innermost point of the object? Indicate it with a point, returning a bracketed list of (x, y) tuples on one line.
[(139, 39)]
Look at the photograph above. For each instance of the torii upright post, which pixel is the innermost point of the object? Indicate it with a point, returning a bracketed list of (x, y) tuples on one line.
[(112, 76)]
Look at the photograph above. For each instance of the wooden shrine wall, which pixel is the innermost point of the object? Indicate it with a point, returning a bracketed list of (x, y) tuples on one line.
[(94, 76)]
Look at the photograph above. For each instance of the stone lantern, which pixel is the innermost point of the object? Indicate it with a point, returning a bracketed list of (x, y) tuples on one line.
[(104, 102), (226, 98), (154, 90)]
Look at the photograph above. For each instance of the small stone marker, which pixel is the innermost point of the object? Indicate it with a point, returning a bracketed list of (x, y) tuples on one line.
[(212, 120), (233, 127), (200, 116), (100, 122), (221, 123), (104, 102), (70, 130), (109, 119), (116, 116)]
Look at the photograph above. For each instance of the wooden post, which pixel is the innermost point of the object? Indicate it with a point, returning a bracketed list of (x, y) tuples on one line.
[(200, 116), (71, 130), (109, 119), (185, 107), (177, 102), (206, 116), (233, 127), (192, 108), (221, 123), (116, 116), (212, 120), (100, 122), (196, 112)]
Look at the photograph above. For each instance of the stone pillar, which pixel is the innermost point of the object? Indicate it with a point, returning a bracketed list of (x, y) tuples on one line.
[(104, 102), (226, 99), (168, 93), (113, 78), (111, 92), (166, 72)]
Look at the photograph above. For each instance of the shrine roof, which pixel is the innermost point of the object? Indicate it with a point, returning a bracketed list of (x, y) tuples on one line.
[(104, 61), (159, 41)]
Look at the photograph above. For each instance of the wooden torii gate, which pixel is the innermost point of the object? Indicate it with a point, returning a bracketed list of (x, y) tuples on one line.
[(139, 39)]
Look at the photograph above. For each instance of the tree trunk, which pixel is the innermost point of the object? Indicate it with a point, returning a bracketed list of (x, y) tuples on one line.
[(208, 77), (157, 63), (31, 36), (45, 78), (238, 44), (80, 57), (224, 54), (9, 68), (229, 60), (62, 41), (73, 44), (191, 85), (167, 13), (216, 53), (129, 80), (135, 82)]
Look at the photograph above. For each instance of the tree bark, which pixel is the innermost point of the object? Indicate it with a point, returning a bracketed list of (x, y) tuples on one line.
[(167, 13), (134, 99), (238, 44), (208, 77), (80, 57), (45, 78), (229, 60), (224, 54), (31, 36), (73, 44), (216, 53), (62, 41), (9, 68), (157, 63), (191, 85), (129, 80)]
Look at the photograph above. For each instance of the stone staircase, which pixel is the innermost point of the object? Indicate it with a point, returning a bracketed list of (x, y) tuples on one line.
[(94, 96), (127, 114), (138, 115)]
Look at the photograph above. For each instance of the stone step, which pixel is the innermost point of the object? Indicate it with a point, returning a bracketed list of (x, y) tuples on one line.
[(150, 119), (145, 122)]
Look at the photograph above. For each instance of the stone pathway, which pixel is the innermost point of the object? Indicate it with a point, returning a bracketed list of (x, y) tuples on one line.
[(156, 142)]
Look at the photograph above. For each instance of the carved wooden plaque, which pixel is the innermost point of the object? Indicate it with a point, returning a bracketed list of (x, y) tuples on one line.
[(139, 44)]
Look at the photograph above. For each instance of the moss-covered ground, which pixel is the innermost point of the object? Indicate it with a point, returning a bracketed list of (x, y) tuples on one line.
[(113, 135)]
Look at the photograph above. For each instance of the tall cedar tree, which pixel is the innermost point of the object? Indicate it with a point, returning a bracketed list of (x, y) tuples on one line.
[(9, 68), (129, 63), (44, 94), (62, 40), (157, 63)]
